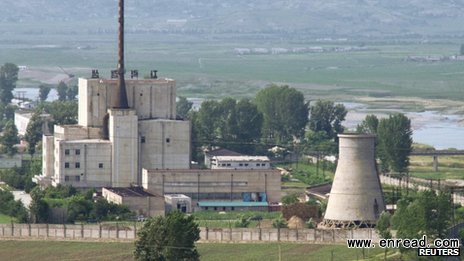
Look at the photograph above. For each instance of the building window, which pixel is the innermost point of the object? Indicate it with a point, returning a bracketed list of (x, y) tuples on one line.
[(168, 140), (66, 165), (257, 164), (264, 164), (223, 208), (66, 152), (78, 152), (228, 164), (142, 139), (223, 164), (246, 164), (232, 208), (66, 178), (77, 165), (241, 164), (100, 165), (215, 208), (77, 178)]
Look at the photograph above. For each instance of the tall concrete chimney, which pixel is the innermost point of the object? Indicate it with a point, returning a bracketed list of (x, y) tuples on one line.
[(356, 198), (121, 101)]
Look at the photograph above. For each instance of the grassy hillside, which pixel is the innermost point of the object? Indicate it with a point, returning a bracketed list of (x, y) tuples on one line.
[(321, 17)]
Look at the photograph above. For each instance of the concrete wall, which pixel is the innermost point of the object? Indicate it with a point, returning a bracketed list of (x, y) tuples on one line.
[(123, 131), (226, 182), (129, 232), (164, 144), (48, 156), (147, 206), (91, 154), (151, 98), (21, 120)]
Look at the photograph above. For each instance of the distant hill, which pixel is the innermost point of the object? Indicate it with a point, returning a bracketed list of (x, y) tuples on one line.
[(317, 17)]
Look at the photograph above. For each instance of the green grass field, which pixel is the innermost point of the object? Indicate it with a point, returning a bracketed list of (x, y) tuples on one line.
[(209, 68), (4, 219), (53, 250), (449, 167)]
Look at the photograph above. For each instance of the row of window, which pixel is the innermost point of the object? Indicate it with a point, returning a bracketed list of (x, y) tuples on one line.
[(68, 152), (75, 178), (243, 164), (77, 165), (143, 140)]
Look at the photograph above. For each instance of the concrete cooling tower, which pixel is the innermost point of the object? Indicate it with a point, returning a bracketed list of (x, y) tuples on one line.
[(356, 198)]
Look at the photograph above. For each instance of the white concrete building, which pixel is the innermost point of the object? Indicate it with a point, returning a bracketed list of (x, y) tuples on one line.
[(109, 146), (240, 162)]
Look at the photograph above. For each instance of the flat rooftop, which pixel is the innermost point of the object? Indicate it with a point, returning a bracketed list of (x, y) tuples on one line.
[(242, 158), (130, 192)]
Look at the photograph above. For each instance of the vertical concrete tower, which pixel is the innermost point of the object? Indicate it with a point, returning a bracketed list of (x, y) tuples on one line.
[(356, 198)]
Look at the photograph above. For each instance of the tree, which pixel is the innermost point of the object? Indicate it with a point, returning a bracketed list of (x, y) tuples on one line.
[(71, 92), (34, 132), (290, 199), (229, 124), (44, 90), (63, 112), (369, 125), (168, 238), (394, 143), (327, 117), (426, 213), (10, 138), (62, 90), (383, 227), (39, 207), (8, 78), (285, 113), (183, 106)]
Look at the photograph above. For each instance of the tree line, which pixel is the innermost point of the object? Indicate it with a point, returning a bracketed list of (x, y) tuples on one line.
[(62, 111), (280, 115)]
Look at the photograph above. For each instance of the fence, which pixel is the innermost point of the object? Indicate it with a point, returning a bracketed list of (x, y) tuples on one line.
[(118, 232)]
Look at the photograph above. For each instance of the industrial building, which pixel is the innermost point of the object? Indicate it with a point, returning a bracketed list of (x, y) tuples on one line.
[(128, 135)]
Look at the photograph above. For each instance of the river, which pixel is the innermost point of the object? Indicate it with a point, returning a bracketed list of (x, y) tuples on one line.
[(441, 131)]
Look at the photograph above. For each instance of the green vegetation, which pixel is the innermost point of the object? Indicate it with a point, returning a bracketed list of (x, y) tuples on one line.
[(80, 206), (54, 250), (233, 215), (4, 219), (21, 177), (310, 173), (449, 167), (170, 237), (12, 208)]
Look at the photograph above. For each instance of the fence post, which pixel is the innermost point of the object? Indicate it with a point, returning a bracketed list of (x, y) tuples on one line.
[(260, 235), (29, 229), (12, 228), (48, 231), (278, 234), (117, 230), (64, 230), (207, 233), (135, 230), (99, 230), (82, 230)]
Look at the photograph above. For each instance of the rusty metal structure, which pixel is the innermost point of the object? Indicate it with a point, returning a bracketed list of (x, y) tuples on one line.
[(356, 198)]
